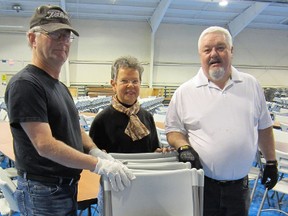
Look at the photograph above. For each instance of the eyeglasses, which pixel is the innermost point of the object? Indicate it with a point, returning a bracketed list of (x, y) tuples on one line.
[(59, 35), (126, 82)]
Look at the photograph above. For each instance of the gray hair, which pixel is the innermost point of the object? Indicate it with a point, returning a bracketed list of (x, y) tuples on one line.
[(35, 30), (218, 29), (126, 62)]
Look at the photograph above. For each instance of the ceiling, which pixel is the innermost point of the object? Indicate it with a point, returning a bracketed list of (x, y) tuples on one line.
[(236, 16)]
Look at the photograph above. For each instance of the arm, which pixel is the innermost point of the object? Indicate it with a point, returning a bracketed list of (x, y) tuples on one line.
[(47, 146), (88, 143), (267, 146), (177, 139), (266, 143)]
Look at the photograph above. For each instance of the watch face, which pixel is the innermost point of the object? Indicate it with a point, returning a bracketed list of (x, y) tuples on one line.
[(187, 156)]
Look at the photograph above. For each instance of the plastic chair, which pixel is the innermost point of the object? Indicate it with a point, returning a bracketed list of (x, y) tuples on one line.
[(281, 186), (284, 126), (169, 193), (3, 115), (159, 117), (280, 118), (154, 160), (255, 173), (280, 136), (8, 188), (158, 166), (162, 137), (137, 156)]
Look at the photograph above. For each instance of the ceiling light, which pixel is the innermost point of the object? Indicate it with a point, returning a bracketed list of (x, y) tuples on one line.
[(223, 3), (17, 7)]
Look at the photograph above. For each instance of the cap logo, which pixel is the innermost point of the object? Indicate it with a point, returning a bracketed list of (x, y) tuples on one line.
[(52, 14)]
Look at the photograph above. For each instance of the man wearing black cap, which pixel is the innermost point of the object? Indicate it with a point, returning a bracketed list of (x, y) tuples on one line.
[(49, 145)]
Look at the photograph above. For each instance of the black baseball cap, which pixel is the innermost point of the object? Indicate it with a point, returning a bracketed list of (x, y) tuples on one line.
[(51, 18)]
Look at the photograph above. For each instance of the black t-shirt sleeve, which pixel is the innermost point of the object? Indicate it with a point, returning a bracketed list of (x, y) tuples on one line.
[(26, 103)]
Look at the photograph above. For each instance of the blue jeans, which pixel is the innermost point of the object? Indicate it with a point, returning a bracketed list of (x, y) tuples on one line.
[(226, 199), (40, 199)]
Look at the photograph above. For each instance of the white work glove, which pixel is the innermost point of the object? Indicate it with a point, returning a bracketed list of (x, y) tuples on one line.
[(117, 173), (96, 152)]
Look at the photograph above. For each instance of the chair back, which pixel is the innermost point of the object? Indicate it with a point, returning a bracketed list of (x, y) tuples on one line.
[(169, 193), (8, 188), (142, 156), (280, 136), (159, 166), (282, 158), (155, 160)]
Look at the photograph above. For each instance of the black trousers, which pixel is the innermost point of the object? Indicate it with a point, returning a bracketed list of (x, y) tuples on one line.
[(231, 198)]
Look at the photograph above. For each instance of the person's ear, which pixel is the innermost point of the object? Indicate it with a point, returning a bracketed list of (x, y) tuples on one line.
[(31, 39), (113, 84)]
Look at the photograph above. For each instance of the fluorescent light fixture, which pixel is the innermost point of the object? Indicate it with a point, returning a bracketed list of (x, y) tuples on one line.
[(223, 3), (11, 26)]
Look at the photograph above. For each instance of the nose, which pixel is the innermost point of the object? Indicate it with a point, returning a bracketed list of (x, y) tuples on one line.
[(214, 52)]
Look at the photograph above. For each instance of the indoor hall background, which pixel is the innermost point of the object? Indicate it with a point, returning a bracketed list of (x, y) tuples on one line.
[(261, 52), (168, 52)]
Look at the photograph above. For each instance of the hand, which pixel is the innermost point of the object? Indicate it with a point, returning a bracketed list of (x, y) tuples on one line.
[(118, 174), (188, 154), (270, 174), (164, 150), (96, 152)]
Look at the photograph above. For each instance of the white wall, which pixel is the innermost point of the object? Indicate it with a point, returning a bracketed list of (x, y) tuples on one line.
[(102, 42), (262, 53)]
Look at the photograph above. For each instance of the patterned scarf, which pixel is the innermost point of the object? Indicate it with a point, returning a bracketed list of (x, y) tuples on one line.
[(135, 128)]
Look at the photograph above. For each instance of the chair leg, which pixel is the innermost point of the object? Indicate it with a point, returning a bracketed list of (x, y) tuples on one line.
[(262, 202), (254, 188), (279, 200)]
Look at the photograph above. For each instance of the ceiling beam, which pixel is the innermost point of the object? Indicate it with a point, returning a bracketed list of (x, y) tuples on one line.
[(158, 14), (243, 20)]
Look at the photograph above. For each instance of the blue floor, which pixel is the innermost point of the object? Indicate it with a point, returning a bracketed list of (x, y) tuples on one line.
[(257, 200), (253, 208)]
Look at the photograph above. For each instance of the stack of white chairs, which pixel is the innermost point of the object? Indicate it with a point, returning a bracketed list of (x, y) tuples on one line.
[(273, 107), (92, 104), (160, 188), (8, 187), (151, 104), (161, 109)]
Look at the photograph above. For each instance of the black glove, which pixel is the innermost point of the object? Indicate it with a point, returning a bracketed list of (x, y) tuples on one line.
[(188, 154), (270, 174)]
